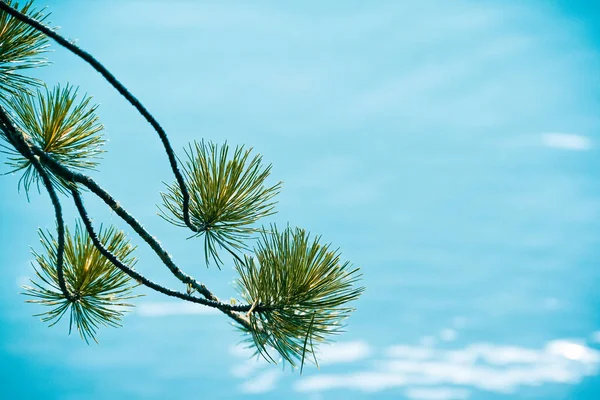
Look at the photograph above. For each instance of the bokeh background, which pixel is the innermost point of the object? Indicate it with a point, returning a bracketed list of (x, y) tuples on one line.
[(449, 148)]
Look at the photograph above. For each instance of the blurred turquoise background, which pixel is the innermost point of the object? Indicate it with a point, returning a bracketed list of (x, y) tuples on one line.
[(449, 148)]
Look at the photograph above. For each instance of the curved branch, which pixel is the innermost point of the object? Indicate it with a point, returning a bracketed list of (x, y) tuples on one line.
[(60, 229), (88, 182), (21, 145), (226, 308), (123, 91), (33, 151), (139, 229)]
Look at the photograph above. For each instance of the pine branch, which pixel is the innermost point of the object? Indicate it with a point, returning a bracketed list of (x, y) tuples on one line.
[(137, 227), (20, 49), (228, 195), (18, 139), (297, 288), (309, 287), (213, 302), (61, 125), (122, 90), (33, 152), (100, 290), (60, 227)]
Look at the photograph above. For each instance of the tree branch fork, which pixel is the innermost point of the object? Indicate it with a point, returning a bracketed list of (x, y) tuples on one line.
[(327, 282), (40, 159)]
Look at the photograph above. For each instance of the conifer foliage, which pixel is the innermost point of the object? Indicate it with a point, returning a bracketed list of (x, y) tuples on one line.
[(297, 290)]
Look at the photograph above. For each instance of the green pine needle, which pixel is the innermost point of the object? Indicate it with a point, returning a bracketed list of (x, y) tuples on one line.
[(20, 49), (303, 289), (99, 288), (63, 127), (227, 195)]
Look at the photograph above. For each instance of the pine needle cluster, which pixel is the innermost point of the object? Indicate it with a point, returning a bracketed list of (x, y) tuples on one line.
[(228, 195), (298, 290), (21, 47), (303, 290), (99, 289), (63, 126)]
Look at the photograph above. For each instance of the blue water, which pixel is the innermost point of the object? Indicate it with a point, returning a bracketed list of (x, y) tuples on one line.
[(450, 150)]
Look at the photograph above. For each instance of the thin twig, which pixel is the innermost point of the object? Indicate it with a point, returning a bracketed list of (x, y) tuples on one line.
[(60, 230), (88, 182), (226, 308), (123, 91), (15, 138), (25, 148)]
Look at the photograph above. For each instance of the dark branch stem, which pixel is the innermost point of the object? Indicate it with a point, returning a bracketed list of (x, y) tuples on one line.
[(19, 142), (226, 308), (122, 90), (60, 229), (33, 152), (88, 182)]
